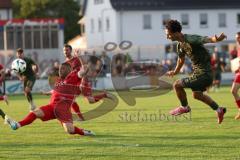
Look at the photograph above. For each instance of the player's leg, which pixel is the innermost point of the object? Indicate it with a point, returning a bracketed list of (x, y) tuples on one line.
[(71, 129), (3, 97), (2, 114), (210, 102), (31, 117), (182, 97), (63, 114), (28, 85), (199, 83), (234, 90), (218, 80), (44, 113), (76, 109)]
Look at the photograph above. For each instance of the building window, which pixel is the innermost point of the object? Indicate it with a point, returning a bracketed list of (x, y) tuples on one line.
[(99, 25), (238, 19), (92, 25), (28, 37), (19, 37), (165, 18), (107, 24), (98, 1), (45, 37), (147, 21), (185, 20), (222, 20), (54, 36), (1, 38), (10, 37), (36, 37), (203, 20), (82, 28)]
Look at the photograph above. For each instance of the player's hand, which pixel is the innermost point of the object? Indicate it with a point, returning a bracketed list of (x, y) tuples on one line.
[(221, 37), (22, 78), (35, 68), (170, 73), (109, 96)]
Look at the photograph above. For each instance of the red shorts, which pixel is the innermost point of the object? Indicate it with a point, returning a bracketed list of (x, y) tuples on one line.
[(237, 78), (60, 110)]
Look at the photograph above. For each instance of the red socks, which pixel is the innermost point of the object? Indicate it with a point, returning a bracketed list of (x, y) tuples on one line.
[(78, 131), (28, 119), (76, 109)]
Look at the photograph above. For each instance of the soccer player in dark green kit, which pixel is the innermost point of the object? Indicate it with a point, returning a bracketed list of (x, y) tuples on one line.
[(28, 77), (192, 46)]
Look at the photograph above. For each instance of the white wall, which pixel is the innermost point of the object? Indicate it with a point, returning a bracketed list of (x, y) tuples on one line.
[(100, 11), (133, 25), (128, 25), (5, 14)]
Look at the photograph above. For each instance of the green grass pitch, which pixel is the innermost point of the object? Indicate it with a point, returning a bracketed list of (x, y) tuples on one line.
[(142, 132)]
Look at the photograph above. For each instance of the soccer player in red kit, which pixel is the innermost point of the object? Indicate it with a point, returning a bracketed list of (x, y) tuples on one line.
[(76, 64), (66, 90), (3, 97), (236, 82)]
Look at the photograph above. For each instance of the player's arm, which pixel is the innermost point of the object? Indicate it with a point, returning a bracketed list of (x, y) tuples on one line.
[(180, 63), (35, 68), (20, 77), (215, 39), (47, 93), (95, 98)]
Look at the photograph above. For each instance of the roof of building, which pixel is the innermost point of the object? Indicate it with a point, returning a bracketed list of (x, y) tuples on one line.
[(5, 4), (132, 5)]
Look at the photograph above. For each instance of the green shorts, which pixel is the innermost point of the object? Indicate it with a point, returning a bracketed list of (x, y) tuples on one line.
[(29, 83), (198, 82)]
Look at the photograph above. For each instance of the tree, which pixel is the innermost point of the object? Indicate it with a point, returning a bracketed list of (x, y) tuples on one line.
[(67, 9)]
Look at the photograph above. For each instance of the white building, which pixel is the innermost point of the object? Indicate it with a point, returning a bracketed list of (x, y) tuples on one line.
[(142, 21), (6, 9)]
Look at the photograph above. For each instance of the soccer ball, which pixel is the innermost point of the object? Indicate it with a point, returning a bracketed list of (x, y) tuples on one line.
[(19, 65)]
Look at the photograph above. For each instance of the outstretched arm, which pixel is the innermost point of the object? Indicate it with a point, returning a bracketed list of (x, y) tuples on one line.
[(215, 39), (47, 93), (98, 97), (35, 68), (178, 67)]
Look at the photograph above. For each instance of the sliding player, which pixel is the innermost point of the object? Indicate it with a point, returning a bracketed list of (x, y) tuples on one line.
[(64, 93)]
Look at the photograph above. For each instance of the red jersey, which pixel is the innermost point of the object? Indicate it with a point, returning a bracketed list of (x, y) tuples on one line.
[(75, 63), (68, 88)]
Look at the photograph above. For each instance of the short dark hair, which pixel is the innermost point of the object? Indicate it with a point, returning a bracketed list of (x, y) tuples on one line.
[(68, 46), (20, 50), (173, 26), (238, 33)]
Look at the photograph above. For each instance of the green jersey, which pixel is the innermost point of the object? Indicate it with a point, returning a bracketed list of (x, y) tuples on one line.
[(193, 48), (29, 73)]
